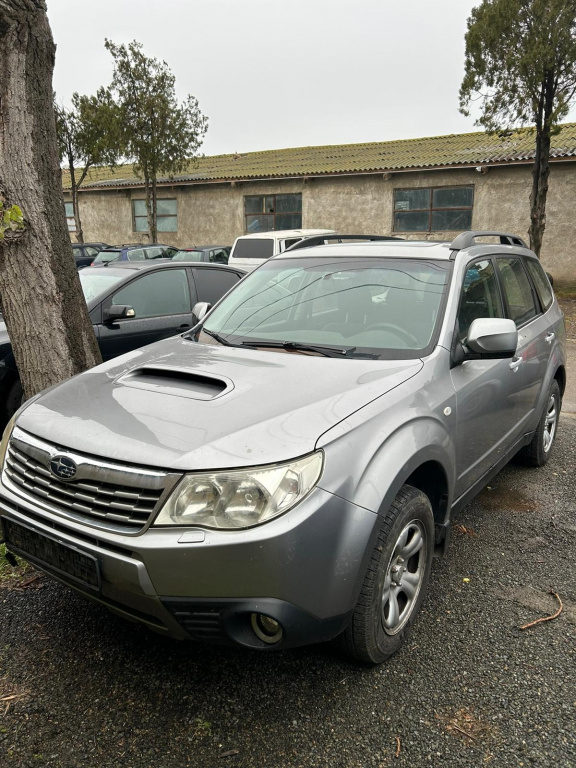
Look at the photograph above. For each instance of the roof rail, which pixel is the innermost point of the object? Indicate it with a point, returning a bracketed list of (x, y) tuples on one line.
[(308, 242), (466, 239)]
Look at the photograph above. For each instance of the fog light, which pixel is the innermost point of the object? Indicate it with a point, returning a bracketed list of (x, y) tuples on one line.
[(266, 629)]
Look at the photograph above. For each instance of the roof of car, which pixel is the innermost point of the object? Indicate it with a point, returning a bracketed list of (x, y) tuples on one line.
[(163, 263), (278, 234), (424, 249)]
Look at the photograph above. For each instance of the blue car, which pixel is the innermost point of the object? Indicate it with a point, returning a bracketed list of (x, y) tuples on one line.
[(134, 252)]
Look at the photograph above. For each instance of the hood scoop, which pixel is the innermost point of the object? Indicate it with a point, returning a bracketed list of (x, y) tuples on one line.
[(177, 382)]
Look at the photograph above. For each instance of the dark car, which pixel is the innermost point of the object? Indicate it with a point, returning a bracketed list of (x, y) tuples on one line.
[(85, 253), (134, 253), (214, 254), (161, 296)]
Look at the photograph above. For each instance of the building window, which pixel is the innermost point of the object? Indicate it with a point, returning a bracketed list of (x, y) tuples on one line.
[(264, 213), (166, 215), (433, 209), (70, 220)]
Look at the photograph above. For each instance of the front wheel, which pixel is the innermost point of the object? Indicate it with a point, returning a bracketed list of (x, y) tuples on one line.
[(396, 580)]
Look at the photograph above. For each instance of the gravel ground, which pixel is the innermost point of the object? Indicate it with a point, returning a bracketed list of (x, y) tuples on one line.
[(80, 688)]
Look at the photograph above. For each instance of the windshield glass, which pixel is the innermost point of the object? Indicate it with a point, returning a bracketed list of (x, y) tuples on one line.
[(187, 256), (254, 248), (96, 281), (106, 256), (386, 307)]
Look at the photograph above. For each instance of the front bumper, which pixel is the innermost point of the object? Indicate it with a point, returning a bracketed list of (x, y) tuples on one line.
[(303, 569)]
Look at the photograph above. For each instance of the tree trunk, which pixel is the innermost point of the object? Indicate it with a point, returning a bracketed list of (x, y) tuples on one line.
[(44, 309), (74, 190), (148, 203), (154, 232), (541, 167)]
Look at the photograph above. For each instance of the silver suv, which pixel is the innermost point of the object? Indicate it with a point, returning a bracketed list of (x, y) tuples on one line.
[(284, 473)]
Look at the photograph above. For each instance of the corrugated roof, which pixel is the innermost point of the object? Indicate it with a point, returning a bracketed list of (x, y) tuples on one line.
[(377, 157)]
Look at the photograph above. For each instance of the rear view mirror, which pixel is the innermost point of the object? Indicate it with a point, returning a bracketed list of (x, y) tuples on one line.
[(118, 312), (200, 310), (492, 338)]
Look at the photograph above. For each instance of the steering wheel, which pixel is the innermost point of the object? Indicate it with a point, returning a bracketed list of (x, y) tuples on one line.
[(401, 333)]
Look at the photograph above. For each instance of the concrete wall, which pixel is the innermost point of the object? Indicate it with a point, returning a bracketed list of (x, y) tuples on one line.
[(214, 213)]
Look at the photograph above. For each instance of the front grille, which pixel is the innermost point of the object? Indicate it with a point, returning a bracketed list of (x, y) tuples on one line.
[(112, 496)]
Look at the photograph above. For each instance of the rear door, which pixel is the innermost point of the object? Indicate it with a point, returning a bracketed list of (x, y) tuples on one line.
[(524, 308), (213, 282), (163, 301)]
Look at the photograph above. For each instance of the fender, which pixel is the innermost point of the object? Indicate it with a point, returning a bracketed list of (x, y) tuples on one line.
[(384, 467)]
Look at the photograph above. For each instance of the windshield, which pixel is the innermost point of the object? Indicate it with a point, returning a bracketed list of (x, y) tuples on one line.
[(254, 248), (106, 256), (187, 256), (97, 281), (385, 307)]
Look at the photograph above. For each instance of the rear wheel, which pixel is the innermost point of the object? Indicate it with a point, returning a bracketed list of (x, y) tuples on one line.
[(396, 580), (538, 450)]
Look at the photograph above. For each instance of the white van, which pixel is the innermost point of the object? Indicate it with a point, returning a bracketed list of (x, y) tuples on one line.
[(249, 251)]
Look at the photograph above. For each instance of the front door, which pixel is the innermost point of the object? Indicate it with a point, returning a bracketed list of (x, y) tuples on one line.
[(163, 307), (489, 393)]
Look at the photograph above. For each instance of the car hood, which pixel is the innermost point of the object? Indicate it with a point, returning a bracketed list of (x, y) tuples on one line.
[(182, 405)]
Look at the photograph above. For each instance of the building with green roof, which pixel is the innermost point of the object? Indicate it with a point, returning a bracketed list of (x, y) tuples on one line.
[(428, 188)]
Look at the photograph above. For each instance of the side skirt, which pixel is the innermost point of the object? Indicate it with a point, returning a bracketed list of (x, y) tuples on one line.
[(475, 489)]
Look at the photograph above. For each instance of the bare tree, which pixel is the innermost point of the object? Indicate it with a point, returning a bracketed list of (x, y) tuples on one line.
[(43, 305), (88, 134)]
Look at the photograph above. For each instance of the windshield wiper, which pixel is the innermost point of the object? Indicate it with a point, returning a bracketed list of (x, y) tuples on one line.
[(296, 345), (214, 335)]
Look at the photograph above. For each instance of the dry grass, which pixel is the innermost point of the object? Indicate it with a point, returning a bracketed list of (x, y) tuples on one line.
[(464, 725), (10, 576)]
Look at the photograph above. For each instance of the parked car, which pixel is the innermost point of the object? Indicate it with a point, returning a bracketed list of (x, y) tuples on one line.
[(85, 253), (134, 253), (156, 301), (215, 254), (249, 251), (283, 473)]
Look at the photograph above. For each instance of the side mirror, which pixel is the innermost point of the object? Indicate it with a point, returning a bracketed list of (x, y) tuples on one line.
[(492, 338), (549, 276), (200, 310), (118, 312)]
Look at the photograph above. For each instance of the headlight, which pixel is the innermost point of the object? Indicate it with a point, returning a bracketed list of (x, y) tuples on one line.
[(240, 498)]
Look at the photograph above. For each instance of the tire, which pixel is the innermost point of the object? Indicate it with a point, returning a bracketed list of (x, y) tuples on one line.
[(386, 608), (539, 449)]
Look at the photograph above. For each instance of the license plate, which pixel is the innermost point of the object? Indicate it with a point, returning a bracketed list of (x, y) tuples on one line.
[(61, 559)]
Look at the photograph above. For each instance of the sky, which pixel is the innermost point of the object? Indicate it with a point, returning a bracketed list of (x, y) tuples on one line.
[(271, 74)]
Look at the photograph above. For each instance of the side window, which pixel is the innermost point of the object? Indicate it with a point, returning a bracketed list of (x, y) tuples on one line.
[(219, 256), (284, 244), (164, 292), (153, 253), (90, 251), (136, 255), (480, 296), (517, 290), (212, 284), (541, 282)]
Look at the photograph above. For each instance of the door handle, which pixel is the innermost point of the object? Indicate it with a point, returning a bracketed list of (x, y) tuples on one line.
[(515, 364), (549, 338), (184, 325)]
